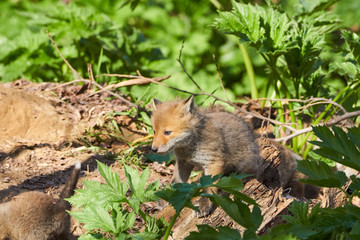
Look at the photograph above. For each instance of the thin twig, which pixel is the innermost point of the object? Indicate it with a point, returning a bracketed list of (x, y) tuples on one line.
[(91, 74), (63, 58), (182, 66), (328, 123), (136, 81), (116, 75), (66, 84), (221, 81), (311, 100)]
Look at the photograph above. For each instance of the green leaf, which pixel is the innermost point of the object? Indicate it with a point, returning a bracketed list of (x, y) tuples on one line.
[(300, 210), (207, 232), (208, 180), (243, 21), (355, 185), (338, 146), (95, 217), (345, 69), (136, 182), (240, 212), (95, 193), (232, 184), (135, 203), (320, 174), (265, 29), (354, 135), (317, 5), (276, 31), (353, 42), (180, 195), (155, 225), (112, 179)]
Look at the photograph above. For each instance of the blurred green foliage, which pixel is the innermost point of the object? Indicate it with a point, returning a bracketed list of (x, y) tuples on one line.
[(116, 39), (122, 36)]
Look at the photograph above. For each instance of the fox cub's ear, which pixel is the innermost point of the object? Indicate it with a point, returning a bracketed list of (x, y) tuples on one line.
[(189, 104), (156, 103)]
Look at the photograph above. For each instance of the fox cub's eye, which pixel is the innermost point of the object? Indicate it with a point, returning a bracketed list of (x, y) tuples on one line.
[(167, 132)]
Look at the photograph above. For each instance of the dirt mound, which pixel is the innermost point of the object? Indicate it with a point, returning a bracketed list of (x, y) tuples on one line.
[(29, 118)]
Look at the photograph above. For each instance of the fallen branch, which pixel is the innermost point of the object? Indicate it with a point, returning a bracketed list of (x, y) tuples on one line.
[(328, 123), (137, 81)]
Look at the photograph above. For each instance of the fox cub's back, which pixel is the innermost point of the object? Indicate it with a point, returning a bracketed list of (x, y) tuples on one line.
[(236, 140)]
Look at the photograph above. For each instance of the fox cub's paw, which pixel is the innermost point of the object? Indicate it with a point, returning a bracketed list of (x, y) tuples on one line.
[(206, 207)]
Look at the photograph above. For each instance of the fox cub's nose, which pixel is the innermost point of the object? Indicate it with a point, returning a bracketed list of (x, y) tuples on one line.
[(154, 149)]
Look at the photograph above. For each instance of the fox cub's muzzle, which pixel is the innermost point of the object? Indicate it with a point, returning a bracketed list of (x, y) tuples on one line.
[(160, 149), (154, 149)]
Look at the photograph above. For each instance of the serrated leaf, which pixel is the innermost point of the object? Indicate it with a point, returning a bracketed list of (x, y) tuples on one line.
[(94, 193), (136, 182), (208, 180), (230, 182), (354, 135), (95, 217), (331, 219), (129, 221), (112, 179), (155, 225), (239, 212), (207, 232), (342, 149), (353, 41), (346, 69), (180, 195), (320, 174), (300, 210), (243, 21), (355, 185), (265, 29), (276, 30)]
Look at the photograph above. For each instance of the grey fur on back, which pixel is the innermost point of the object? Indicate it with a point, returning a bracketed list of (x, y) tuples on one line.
[(229, 137)]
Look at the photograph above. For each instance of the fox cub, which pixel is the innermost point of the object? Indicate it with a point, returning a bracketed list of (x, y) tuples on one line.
[(218, 142), (38, 216)]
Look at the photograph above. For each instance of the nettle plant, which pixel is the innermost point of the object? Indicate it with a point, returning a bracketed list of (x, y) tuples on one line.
[(299, 53), (109, 211)]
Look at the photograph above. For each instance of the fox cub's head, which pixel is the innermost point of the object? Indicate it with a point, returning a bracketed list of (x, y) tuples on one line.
[(172, 124)]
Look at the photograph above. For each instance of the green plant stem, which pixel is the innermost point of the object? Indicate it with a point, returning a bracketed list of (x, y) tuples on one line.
[(279, 104), (250, 71), (168, 230), (317, 121), (355, 86), (293, 120)]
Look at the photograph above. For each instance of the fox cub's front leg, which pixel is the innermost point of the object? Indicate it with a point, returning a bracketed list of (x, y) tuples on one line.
[(182, 171), (205, 205)]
